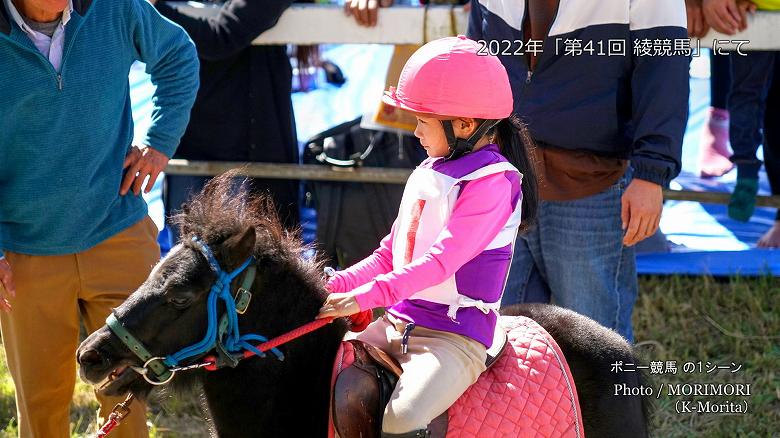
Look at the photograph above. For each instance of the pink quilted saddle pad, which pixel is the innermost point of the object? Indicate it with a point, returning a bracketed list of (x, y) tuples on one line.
[(529, 392)]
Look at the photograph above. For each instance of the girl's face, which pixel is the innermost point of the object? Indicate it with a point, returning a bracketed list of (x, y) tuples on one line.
[(431, 134)]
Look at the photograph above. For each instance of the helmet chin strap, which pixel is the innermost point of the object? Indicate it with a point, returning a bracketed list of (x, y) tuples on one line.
[(458, 146)]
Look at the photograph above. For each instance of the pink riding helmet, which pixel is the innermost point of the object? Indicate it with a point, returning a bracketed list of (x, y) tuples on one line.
[(449, 77)]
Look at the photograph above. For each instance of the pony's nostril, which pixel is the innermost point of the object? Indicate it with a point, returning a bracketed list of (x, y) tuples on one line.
[(91, 358)]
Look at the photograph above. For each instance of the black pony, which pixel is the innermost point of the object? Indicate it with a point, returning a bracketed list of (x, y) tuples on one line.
[(268, 397)]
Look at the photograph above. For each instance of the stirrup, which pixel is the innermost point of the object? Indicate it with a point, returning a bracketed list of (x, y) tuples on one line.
[(422, 433)]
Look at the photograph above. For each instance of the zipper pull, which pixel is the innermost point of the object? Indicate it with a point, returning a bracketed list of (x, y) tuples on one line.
[(59, 82), (528, 77), (405, 337)]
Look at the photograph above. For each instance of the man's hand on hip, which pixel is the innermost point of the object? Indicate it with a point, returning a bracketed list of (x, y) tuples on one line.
[(641, 213), (141, 162), (7, 288)]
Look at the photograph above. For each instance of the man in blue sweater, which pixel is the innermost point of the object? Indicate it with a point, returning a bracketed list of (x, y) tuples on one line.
[(75, 238), (603, 88)]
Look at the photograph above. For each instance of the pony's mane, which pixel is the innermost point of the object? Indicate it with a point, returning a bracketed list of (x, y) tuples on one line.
[(226, 207)]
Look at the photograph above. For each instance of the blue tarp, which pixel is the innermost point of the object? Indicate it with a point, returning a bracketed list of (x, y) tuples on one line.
[(703, 239)]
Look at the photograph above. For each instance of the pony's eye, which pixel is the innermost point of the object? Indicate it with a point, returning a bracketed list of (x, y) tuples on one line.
[(179, 302)]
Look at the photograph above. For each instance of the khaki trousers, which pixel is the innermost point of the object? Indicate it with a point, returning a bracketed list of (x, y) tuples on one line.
[(41, 333), (438, 368)]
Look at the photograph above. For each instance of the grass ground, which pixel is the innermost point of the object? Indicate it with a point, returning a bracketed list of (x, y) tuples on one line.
[(676, 319), (701, 320)]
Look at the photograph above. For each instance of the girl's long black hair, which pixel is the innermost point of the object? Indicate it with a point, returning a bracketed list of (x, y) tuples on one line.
[(515, 142)]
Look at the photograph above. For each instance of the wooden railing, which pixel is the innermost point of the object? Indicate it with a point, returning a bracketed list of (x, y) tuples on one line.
[(383, 175)]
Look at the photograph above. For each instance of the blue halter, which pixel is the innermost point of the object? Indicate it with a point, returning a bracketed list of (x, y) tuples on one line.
[(233, 341)]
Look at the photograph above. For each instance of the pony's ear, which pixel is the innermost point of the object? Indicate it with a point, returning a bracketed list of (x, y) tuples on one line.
[(238, 248)]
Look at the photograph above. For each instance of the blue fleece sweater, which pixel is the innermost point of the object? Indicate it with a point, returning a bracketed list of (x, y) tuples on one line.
[(63, 137)]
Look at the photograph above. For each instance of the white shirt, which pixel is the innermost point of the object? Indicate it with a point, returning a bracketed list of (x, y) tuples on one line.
[(50, 47)]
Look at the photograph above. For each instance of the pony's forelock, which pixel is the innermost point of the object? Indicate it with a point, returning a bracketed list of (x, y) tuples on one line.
[(226, 207)]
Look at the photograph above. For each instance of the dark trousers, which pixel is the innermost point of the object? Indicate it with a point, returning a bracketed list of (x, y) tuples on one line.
[(772, 133), (754, 110), (720, 80)]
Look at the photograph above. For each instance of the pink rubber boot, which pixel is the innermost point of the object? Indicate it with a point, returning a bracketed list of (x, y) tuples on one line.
[(714, 149)]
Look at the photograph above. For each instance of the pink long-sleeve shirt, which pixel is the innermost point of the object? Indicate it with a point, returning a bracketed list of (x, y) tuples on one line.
[(480, 212)]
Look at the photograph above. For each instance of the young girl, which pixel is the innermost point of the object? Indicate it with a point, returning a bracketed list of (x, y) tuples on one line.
[(443, 267)]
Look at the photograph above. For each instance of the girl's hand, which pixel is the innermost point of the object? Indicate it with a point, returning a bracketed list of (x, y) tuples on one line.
[(337, 305)]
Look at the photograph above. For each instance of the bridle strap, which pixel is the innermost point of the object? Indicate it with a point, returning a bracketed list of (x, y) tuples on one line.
[(227, 328), (241, 300), (208, 254), (458, 146), (157, 366), (244, 293), (220, 290)]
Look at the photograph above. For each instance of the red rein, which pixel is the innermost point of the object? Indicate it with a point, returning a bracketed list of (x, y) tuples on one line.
[(211, 361)]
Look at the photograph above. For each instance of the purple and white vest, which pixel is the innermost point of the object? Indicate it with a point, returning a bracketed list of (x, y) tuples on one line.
[(426, 206)]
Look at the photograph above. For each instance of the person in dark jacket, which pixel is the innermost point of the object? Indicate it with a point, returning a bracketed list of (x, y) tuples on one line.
[(243, 110), (607, 111)]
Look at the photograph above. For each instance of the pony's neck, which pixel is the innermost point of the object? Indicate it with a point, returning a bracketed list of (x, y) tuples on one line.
[(263, 395)]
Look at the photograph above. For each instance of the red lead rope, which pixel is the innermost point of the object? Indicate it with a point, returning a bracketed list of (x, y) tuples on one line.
[(211, 361), (116, 416), (107, 428)]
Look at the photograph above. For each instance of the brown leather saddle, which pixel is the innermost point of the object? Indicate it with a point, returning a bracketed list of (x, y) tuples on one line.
[(362, 390)]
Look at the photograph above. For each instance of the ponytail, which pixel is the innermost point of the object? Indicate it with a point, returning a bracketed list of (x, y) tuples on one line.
[(515, 143)]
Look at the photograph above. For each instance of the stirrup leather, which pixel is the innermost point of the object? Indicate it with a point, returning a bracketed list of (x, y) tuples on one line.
[(422, 433)]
